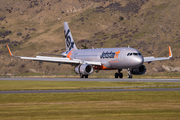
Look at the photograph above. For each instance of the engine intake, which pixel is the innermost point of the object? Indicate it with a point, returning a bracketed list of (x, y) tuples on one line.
[(139, 71), (84, 69)]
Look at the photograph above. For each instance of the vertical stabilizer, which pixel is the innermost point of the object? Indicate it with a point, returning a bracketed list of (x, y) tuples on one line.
[(68, 38)]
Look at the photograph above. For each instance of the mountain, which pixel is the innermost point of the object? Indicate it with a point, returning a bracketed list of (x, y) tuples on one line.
[(31, 26)]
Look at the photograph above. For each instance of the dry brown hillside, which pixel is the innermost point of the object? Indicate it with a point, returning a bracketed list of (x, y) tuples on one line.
[(31, 26)]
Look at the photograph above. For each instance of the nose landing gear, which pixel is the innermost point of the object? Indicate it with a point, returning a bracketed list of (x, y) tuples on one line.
[(129, 73), (119, 74)]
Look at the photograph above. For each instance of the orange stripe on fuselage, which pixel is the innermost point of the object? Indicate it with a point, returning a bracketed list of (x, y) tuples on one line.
[(102, 67)]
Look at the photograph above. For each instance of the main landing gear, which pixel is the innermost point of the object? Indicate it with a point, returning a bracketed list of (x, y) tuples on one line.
[(119, 74), (83, 76), (129, 73)]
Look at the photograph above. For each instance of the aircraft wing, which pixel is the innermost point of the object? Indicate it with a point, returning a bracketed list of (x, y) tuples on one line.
[(56, 59), (151, 59), (52, 54)]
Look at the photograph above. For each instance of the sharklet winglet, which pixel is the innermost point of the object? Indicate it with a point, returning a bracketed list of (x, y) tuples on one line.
[(9, 50), (170, 52)]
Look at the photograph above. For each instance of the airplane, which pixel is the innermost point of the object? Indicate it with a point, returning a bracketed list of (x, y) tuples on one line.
[(88, 60)]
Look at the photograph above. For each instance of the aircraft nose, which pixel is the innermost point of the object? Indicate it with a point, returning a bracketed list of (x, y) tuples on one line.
[(139, 60)]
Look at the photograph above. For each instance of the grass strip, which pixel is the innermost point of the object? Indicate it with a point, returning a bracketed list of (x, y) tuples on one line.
[(55, 85), (99, 106)]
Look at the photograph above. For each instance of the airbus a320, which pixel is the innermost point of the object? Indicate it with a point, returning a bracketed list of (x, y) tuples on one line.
[(88, 60)]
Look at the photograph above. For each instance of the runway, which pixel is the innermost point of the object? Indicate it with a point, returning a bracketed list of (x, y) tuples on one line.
[(90, 90), (92, 79)]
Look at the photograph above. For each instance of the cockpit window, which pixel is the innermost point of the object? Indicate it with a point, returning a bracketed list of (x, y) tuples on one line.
[(129, 54), (136, 54)]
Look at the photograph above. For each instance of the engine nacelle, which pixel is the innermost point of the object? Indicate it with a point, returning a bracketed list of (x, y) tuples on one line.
[(84, 69), (139, 71)]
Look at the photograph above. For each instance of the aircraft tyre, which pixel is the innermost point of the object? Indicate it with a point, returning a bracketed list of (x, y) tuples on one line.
[(129, 76), (86, 76), (116, 75), (120, 75), (83, 76)]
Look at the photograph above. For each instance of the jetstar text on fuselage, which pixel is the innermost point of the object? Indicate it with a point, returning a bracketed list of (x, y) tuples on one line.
[(107, 55)]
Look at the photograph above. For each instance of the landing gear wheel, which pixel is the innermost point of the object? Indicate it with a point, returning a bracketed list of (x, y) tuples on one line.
[(116, 75), (86, 76), (83, 76), (129, 76), (120, 75)]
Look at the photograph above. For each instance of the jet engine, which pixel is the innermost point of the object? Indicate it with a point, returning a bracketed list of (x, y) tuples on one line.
[(84, 69), (139, 71)]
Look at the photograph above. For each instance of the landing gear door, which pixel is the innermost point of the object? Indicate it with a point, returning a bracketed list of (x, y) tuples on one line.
[(121, 54)]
